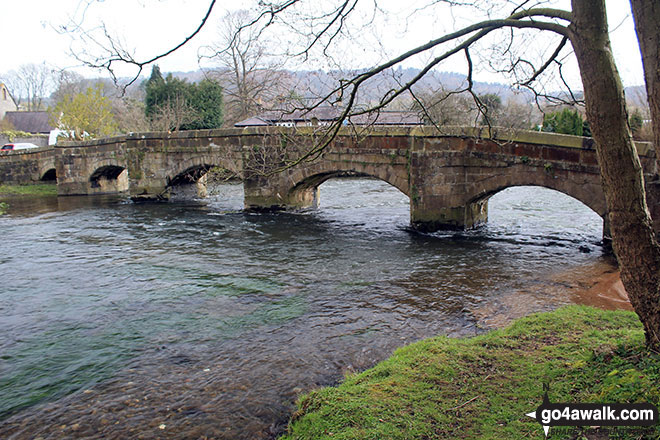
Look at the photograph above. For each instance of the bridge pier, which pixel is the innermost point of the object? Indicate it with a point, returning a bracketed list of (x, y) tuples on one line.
[(151, 189), (442, 195), (188, 190), (163, 189), (273, 194), (436, 218), (259, 196), (304, 198)]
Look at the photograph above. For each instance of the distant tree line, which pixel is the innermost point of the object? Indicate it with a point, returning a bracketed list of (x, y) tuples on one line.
[(570, 121), (84, 107)]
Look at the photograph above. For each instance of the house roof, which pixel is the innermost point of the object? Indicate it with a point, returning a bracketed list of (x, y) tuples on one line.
[(30, 122), (332, 114), (254, 121), (388, 118)]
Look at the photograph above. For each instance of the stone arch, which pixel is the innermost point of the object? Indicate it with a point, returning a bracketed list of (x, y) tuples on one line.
[(587, 190), (319, 172), (49, 175), (191, 170), (108, 178), (189, 175), (304, 191), (188, 179), (588, 193)]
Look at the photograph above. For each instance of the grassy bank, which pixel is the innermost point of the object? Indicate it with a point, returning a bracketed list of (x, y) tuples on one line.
[(482, 387), (37, 189)]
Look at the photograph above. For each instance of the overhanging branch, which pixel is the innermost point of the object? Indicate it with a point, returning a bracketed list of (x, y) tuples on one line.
[(120, 55), (519, 20)]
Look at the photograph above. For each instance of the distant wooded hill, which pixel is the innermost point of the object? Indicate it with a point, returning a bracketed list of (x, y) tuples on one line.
[(310, 85), (313, 84)]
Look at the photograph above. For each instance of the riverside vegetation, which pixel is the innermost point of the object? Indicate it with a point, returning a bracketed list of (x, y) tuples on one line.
[(482, 387), (36, 189)]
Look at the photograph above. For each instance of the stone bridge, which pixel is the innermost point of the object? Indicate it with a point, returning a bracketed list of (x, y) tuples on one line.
[(27, 166), (448, 176)]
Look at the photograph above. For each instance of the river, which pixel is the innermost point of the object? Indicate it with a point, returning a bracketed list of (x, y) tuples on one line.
[(197, 320)]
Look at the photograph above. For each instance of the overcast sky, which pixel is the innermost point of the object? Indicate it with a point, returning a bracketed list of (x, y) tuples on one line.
[(29, 32)]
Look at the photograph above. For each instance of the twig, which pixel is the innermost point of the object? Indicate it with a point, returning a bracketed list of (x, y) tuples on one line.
[(461, 406)]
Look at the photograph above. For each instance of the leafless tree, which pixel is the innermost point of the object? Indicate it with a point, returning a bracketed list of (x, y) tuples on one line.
[(647, 24), (251, 77), (173, 114), (582, 28), (30, 85), (127, 105), (98, 48), (443, 107), (520, 114), (13, 82), (69, 83), (129, 114)]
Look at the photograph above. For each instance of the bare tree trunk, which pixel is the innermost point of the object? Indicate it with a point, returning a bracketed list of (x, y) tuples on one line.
[(633, 239), (647, 25)]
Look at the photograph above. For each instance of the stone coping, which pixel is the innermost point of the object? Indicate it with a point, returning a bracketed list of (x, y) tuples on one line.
[(26, 151), (495, 133)]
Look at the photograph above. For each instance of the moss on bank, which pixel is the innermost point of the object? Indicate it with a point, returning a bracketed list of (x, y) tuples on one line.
[(36, 189), (482, 387)]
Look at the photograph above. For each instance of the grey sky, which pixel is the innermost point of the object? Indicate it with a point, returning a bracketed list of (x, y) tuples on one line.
[(152, 26)]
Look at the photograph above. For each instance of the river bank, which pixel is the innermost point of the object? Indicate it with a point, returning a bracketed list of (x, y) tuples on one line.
[(36, 189), (10, 193), (482, 387)]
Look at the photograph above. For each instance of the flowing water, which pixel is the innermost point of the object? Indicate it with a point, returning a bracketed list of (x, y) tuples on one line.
[(196, 320)]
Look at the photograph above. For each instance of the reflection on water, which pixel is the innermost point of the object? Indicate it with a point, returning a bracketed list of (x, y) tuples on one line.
[(185, 320)]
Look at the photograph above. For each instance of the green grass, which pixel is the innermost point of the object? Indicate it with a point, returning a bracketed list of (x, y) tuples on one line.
[(36, 189), (3, 208), (482, 387)]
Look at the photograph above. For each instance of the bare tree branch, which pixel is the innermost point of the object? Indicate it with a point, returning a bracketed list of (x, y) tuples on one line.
[(525, 19), (118, 54), (547, 64)]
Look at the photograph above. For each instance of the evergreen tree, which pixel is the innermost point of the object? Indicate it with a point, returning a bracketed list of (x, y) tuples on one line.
[(586, 129), (206, 99), (565, 121), (154, 84)]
